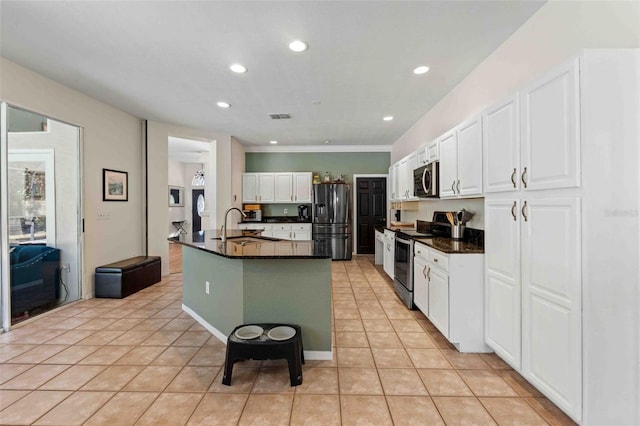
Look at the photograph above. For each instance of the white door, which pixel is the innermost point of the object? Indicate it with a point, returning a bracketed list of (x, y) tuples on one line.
[(501, 142), (283, 188), (250, 190), (448, 164), (550, 130), (302, 187), (502, 284), (266, 187), (551, 294), (420, 290), (438, 299), (470, 158)]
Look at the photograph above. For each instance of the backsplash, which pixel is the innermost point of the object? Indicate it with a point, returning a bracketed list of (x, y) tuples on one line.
[(427, 207)]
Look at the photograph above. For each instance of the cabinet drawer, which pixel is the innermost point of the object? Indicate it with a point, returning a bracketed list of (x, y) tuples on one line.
[(301, 227), (438, 259), (281, 227), (421, 251), (379, 236)]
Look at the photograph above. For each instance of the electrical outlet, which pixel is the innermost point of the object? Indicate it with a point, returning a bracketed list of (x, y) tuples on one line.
[(286, 211), (206, 287), (66, 267)]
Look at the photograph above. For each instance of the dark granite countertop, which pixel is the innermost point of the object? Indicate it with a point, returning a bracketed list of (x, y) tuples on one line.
[(451, 246), (248, 244), (279, 219)]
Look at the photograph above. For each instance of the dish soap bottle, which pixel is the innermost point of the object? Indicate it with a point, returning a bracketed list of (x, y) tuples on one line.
[(327, 177)]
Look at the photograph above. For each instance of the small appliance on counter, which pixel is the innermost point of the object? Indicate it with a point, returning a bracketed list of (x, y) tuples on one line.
[(253, 213), (303, 213)]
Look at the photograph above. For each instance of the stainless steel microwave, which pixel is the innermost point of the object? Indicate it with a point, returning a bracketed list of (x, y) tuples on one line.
[(426, 181)]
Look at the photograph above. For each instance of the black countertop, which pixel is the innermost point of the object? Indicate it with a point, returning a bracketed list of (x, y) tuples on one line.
[(473, 242), (248, 244), (279, 219)]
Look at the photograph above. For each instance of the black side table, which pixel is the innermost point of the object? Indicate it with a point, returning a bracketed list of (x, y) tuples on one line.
[(262, 348)]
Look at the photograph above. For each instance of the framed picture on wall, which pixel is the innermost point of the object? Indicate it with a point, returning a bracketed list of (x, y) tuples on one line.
[(115, 185)]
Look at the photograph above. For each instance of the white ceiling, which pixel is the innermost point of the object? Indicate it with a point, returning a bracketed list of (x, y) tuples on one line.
[(187, 150), (168, 60)]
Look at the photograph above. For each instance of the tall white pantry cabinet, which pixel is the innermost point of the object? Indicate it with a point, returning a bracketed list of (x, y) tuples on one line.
[(562, 190)]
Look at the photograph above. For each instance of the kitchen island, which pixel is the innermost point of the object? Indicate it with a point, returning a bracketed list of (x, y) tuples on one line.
[(253, 279)]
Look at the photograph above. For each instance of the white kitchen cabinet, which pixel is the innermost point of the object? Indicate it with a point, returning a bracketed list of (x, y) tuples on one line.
[(422, 157), (420, 283), (438, 299), (301, 231), (389, 252), (258, 187), (267, 187), (395, 182), (405, 170), (282, 231), (283, 188), (302, 187), (501, 138), (432, 151), (460, 160), (267, 229), (379, 248)]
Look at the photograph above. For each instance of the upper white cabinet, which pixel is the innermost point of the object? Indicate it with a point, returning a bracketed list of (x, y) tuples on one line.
[(432, 151), (531, 140), (422, 157), (277, 187), (460, 160)]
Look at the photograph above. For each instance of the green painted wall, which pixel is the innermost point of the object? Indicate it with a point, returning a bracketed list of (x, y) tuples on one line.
[(336, 163)]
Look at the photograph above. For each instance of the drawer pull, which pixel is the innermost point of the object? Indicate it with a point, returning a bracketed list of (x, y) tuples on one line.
[(524, 206), (513, 177), (429, 273), (424, 271), (435, 260), (523, 177)]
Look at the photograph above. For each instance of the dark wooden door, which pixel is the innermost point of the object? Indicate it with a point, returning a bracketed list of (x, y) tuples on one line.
[(372, 211), (196, 221)]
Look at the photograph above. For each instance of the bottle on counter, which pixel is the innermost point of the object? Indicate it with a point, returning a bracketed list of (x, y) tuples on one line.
[(327, 177)]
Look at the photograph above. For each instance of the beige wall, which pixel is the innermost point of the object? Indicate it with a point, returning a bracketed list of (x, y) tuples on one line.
[(557, 31), (112, 140)]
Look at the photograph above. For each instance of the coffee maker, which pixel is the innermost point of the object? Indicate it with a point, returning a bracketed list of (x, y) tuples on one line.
[(303, 212)]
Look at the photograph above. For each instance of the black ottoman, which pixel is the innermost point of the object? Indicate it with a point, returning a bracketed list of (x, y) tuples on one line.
[(123, 278), (263, 348)]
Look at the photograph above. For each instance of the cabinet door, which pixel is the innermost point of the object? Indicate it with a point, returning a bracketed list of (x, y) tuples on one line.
[(550, 130), (432, 152), (448, 146), (438, 299), (389, 251), (396, 182), (266, 187), (420, 290), (250, 187), (502, 285), (422, 157), (283, 192), (551, 295), (501, 142), (470, 158), (412, 164), (302, 187), (402, 179)]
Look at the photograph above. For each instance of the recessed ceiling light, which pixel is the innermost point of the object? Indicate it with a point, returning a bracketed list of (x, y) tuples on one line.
[(223, 104), (273, 142), (315, 102), (388, 118), (237, 68), (422, 69), (298, 46), (327, 141)]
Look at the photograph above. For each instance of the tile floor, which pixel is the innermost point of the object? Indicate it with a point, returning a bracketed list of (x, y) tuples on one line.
[(141, 360)]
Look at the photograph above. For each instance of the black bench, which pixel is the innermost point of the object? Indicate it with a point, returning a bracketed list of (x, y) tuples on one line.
[(121, 279)]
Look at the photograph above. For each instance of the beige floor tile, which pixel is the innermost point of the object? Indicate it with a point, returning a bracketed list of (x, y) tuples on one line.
[(131, 337), (209, 356), (9, 371), (267, 410), (124, 324), (364, 410), (192, 338), (8, 397), (462, 411), (73, 378), (440, 341), (71, 355), (359, 381), (28, 409), (414, 410), (315, 410), (171, 409), (76, 409), (444, 383), (354, 357), (106, 355), (101, 337), (151, 324), (418, 340), (178, 356), (552, 414), (141, 355), (391, 358), (162, 338), (113, 378), (242, 380), (34, 378), (384, 340), (65, 324), (9, 351), (193, 379), (378, 326), (428, 358), (71, 337), (401, 381), (95, 324), (512, 412), (153, 378), (38, 354), (273, 380), (348, 339), (406, 325), (495, 362), (372, 313), (486, 383), (464, 361), (123, 409), (345, 325), (346, 313), (519, 384), (318, 380)]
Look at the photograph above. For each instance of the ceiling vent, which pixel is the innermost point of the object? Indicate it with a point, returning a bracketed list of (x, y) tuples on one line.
[(280, 116)]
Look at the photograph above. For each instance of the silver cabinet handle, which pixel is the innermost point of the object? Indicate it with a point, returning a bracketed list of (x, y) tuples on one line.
[(513, 177), (429, 273), (524, 206), (435, 260), (513, 211), (423, 271), (458, 186), (523, 177), (453, 186)]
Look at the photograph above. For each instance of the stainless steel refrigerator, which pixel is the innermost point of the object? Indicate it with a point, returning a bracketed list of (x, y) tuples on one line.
[(332, 218)]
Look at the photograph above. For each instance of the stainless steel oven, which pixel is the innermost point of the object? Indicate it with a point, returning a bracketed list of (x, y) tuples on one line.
[(403, 270), (426, 181)]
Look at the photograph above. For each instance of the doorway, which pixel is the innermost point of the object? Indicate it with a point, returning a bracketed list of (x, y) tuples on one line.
[(197, 207), (370, 210)]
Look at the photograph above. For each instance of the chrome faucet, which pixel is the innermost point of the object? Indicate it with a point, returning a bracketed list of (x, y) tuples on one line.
[(224, 226)]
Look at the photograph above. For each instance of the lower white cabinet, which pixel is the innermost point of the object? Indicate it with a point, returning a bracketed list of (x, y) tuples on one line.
[(379, 257), (448, 289), (283, 231), (266, 228), (301, 231), (389, 252)]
